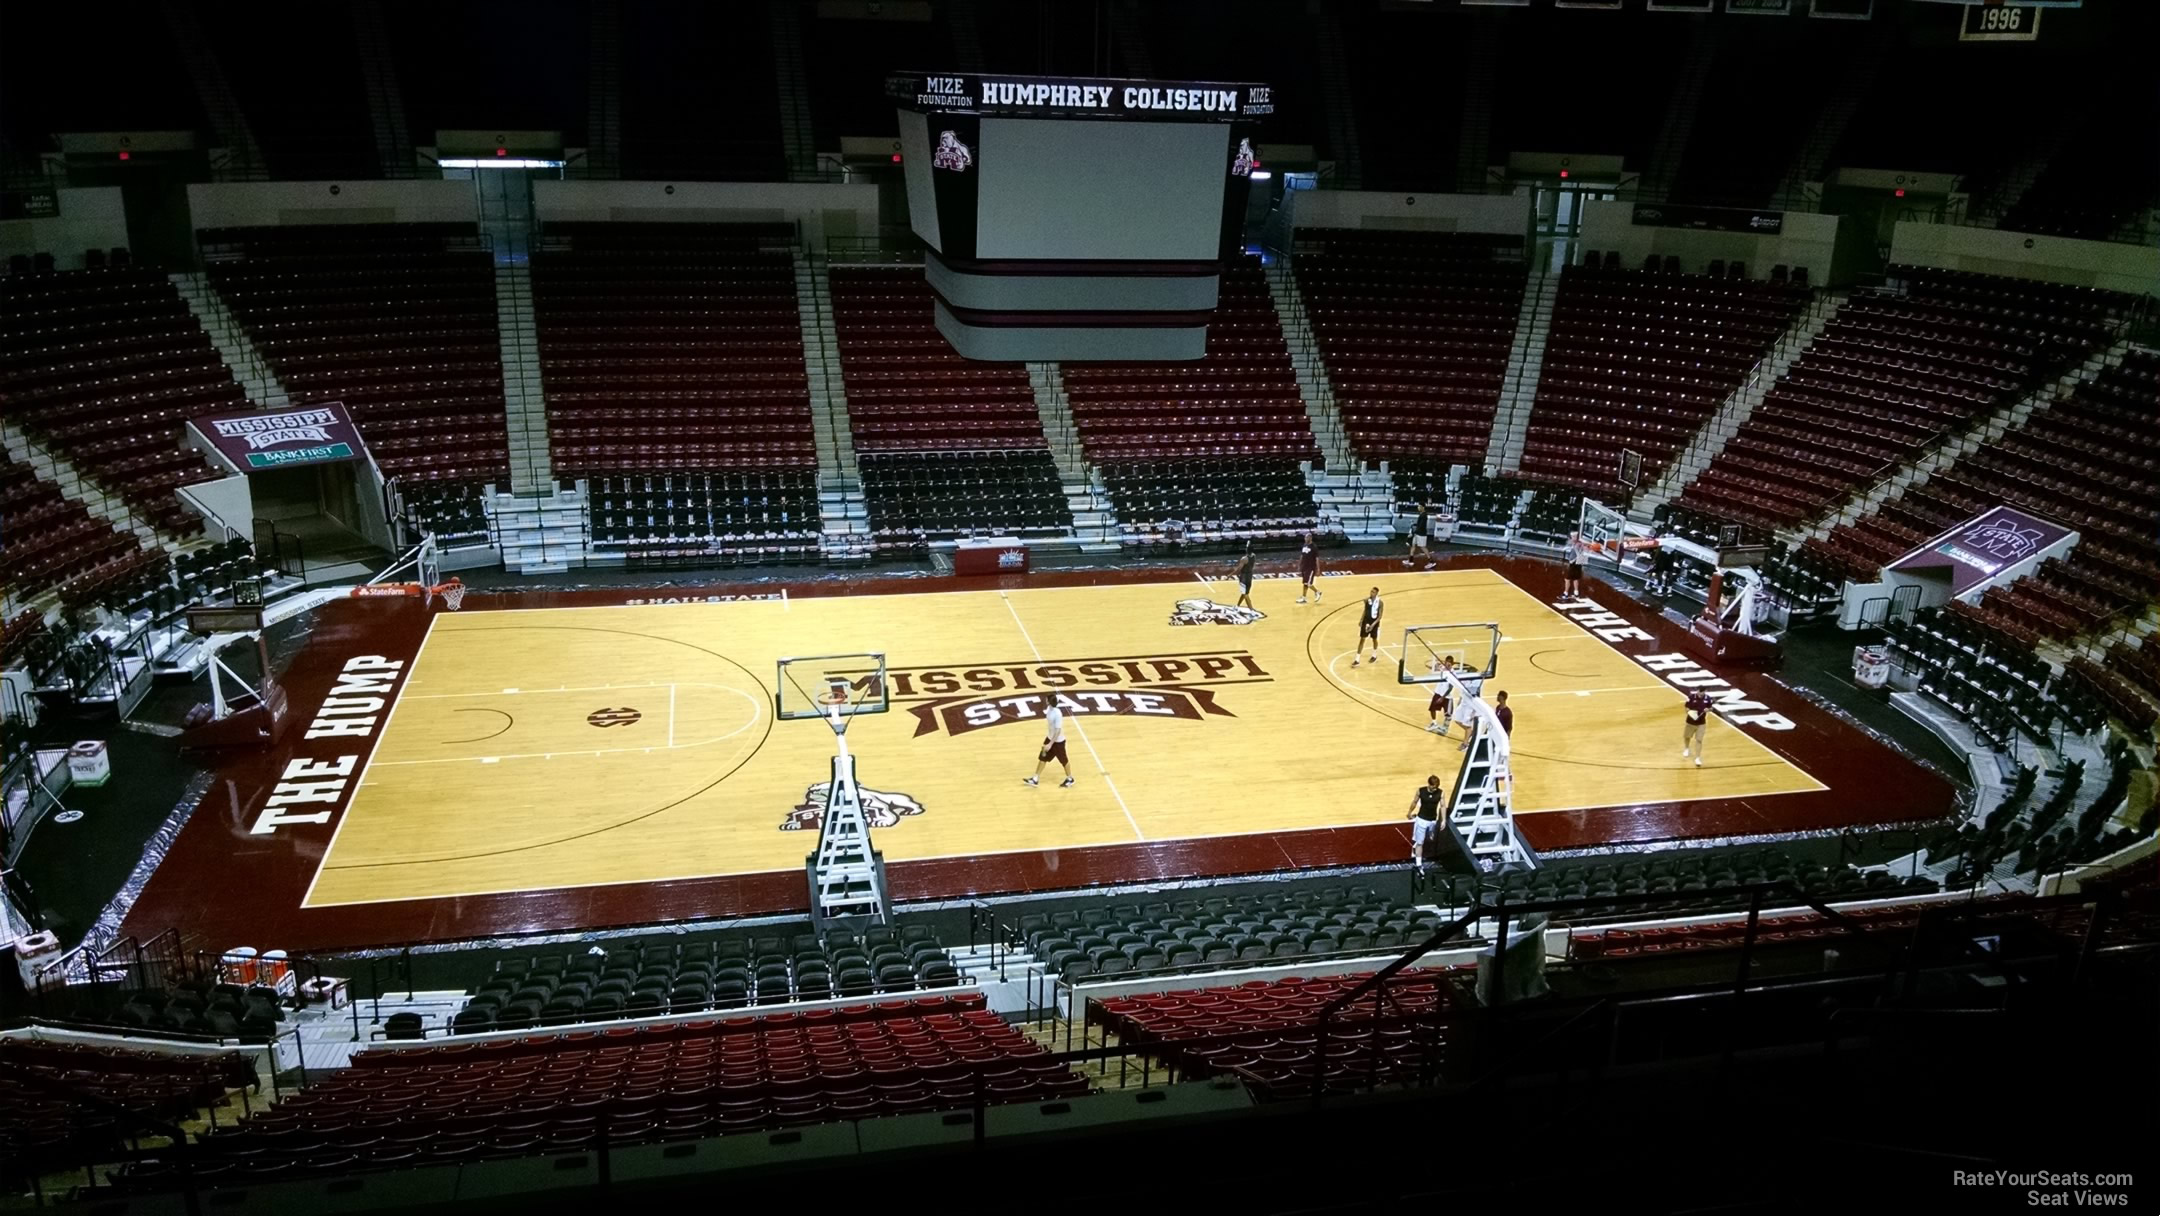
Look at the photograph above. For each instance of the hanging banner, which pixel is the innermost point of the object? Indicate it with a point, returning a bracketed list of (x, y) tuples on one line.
[(249, 443)]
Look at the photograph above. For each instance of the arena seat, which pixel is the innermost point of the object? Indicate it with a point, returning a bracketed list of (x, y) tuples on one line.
[(945, 446), (61, 1130), (1203, 934), (1213, 445), (1415, 330), (2087, 462), (654, 335), (105, 367), (1263, 1031), (51, 540), (511, 1097), (701, 976), (1641, 361), (398, 321), (1893, 372)]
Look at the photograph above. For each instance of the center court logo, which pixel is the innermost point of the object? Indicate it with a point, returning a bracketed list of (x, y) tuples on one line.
[(881, 808), (961, 700), (1208, 612)]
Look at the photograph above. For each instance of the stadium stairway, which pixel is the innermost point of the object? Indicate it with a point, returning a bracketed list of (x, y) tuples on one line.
[(792, 78), (1733, 413), (253, 372), (1358, 498), (1095, 522), (1337, 102), (524, 400), (1526, 361), (1855, 80), (1679, 117), (844, 515), (52, 467), (2006, 418)]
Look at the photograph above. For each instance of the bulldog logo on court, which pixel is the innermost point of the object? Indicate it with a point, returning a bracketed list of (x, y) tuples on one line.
[(1208, 612), (882, 809), (951, 153), (606, 717)]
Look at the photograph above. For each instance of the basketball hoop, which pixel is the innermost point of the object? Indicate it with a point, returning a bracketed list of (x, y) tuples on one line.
[(452, 593)]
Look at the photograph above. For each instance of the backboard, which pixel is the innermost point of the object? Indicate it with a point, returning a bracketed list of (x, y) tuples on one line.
[(1474, 647), (830, 685)]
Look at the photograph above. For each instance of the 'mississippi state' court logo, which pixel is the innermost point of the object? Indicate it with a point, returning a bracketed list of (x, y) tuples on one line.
[(960, 700)]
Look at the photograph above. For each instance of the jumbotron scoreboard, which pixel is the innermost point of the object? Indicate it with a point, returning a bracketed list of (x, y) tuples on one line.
[(1076, 219)]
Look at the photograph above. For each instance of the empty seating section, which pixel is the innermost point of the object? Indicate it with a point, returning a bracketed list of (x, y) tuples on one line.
[(50, 540), (1208, 933), (160, 1085), (1241, 400), (1891, 375), (1677, 882), (2139, 663), (514, 1097), (697, 976), (1213, 445), (1640, 360), (397, 321), (742, 517), (2088, 462), (1264, 1031), (671, 347), (106, 367), (944, 445), (1415, 330)]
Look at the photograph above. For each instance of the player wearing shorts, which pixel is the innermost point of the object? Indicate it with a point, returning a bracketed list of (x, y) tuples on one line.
[(1442, 706), (1053, 748), (1368, 627), (1424, 817), (1419, 530), (1692, 728), (1572, 575), (1308, 568), (1244, 575)]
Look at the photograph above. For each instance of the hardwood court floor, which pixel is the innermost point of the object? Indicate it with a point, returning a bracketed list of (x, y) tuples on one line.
[(575, 747)]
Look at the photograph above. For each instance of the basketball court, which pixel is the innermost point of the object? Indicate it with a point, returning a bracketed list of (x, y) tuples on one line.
[(562, 747), (563, 761)]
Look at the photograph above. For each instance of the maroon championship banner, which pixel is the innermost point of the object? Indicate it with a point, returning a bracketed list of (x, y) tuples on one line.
[(1982, 547), (317, 434)]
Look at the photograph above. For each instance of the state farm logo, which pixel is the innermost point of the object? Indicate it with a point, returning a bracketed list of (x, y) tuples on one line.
[(881, 808), (961, 700)]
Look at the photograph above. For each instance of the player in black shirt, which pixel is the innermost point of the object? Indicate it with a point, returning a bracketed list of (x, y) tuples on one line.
[(1368, 627), (1424, 817)]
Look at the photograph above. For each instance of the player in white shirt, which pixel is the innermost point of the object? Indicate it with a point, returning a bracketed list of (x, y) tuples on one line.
[(1053, 748)]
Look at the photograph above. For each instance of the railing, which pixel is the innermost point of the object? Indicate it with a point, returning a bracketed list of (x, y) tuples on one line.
[(1467, 1047)]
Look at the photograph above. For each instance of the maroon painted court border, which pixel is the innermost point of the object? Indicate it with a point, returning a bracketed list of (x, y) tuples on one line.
[(223, 886)]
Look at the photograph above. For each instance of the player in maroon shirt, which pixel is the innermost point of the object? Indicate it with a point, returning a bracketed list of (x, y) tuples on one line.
[(1308, 568), (1693, 728), (1502, 712)]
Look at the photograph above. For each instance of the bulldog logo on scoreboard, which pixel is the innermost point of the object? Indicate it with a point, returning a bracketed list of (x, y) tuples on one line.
[(1208, 612), (951, 153), (881, 808), (1242, 164)]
